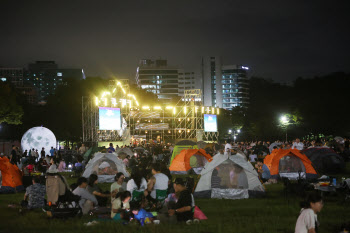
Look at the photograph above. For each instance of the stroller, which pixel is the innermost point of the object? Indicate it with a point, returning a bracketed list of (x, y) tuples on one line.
[(62, 203)]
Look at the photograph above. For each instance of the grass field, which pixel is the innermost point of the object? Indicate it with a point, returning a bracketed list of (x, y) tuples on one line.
[(274, 213)]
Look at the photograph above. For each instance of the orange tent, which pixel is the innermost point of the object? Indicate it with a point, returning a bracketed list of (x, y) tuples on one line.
[(11, 177), (181, 163), (272, 161)]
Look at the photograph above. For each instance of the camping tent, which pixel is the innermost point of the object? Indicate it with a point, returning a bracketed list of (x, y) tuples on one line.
[(229, 178), (105, 165), (187, 159), (184, 144), (123, 152), (289, 163), (11, 177), (325, 159), (90, 152)]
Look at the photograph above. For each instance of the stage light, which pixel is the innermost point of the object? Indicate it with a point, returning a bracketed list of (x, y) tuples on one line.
[(218, 111), (114, 89), (213, 110), (188, 131), (202, 109), (185, 110), (208, 109), (105, 101), (169, 131), (96, 101), (157, 107), (145, 107), (169, 107), (188, 119), (196, 109), (179, 130), (137, 103), (174, 111), (179, 119)]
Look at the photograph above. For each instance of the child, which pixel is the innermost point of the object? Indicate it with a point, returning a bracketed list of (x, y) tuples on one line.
[(141, 215), (307, 220)]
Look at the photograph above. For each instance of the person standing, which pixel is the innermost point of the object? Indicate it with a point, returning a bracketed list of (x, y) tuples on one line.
[(13, 156), (298, 144), (36, 155), (42, 153), (52, 151), (110, 148), (228, 147), (307, 221)]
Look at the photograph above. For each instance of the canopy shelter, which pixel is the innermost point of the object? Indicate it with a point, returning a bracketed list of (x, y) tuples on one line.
[(289, 163), (105, 166), (324, 159), (189, 159), (11, 177), (229, 177)]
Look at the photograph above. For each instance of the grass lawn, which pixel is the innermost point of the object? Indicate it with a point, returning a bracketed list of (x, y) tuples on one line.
[(274, 213)]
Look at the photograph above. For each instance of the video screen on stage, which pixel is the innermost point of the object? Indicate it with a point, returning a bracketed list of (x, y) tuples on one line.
[(109, 118), (210, 123)]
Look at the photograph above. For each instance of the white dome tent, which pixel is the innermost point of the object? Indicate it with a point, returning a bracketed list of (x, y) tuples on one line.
[(229, 178), (105, 166)]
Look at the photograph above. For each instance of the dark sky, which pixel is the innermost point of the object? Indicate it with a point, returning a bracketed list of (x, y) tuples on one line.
[(280, 39)]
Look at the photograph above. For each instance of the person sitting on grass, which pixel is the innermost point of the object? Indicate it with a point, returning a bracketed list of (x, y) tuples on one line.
[(120, 205), (117, 185), (307, 220), (87, 200), (158, 181), (35, 195), (183, 206), (102, 198), (136, 183)]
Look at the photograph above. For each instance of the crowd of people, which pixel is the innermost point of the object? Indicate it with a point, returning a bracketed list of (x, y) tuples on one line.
[(151, 187)]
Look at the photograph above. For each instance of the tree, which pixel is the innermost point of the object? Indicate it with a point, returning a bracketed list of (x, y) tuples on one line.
[(10, 111)]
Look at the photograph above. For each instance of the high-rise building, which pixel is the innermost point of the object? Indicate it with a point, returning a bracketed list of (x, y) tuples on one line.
[(223, 86), (46, 76), (186, 81), (157, 77), (13, 75)]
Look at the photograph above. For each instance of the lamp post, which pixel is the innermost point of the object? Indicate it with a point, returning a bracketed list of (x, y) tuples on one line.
[(284, 121), (235, 133)]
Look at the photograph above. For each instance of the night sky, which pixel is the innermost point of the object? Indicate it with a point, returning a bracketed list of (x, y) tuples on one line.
[(280, 39)]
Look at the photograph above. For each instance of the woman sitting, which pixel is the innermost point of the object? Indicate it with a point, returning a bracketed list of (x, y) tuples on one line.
[(138, 184), (120, 205), (117, 185), (93, 188)]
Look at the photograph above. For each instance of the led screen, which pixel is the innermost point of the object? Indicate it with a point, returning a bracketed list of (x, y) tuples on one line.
[(210, 123), (109, 118)]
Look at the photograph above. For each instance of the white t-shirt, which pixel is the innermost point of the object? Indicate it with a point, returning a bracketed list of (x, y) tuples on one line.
[(131, 185), (306, 221), (161, 183), (298, 146)]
